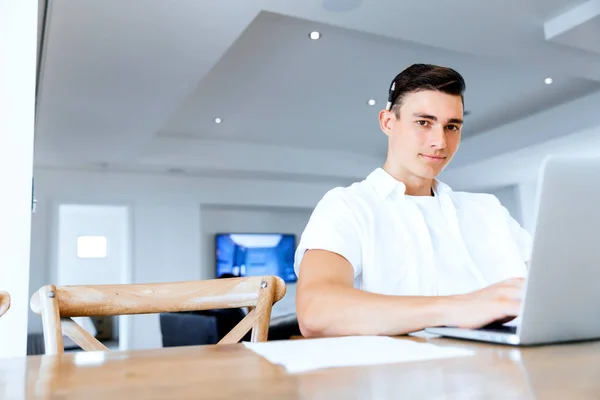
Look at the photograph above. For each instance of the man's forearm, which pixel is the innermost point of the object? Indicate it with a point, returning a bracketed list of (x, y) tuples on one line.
[(339, 310)]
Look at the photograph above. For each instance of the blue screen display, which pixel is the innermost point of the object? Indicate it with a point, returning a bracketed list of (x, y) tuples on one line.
[(256, 254)]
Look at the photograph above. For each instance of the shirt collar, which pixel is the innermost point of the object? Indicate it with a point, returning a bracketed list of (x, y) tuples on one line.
[(385, 184)]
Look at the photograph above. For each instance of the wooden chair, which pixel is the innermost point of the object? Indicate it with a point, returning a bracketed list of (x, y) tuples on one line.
[(4, 302), (57, 305)]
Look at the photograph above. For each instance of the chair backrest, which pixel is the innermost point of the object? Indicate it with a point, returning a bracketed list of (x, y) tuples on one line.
[(4, 302), (58, 304)]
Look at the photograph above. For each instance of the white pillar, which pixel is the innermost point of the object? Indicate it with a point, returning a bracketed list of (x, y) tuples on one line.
[(18, 43)]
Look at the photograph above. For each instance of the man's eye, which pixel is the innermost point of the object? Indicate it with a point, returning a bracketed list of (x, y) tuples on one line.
[(453, 127), (422, 122)]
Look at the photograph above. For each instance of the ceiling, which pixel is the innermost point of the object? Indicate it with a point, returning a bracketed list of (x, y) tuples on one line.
[(136, 85)]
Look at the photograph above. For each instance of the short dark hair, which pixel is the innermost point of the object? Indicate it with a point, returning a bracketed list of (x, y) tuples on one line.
[(419, 77)]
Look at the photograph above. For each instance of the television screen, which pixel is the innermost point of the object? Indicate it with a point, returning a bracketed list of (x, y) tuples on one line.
[(255, 254)]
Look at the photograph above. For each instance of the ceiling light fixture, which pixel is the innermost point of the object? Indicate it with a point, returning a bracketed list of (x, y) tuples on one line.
[(314, 35), (548, 81), (371, 102), (218, 120)]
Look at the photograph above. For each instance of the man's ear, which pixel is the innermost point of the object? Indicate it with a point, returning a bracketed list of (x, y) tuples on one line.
[(386, 121)]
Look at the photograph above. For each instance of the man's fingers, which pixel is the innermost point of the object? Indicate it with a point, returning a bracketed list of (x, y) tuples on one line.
[(513, 293), (514, 309), (508, 309)]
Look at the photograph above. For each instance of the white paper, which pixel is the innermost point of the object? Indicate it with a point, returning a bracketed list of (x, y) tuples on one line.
[(311, 354)]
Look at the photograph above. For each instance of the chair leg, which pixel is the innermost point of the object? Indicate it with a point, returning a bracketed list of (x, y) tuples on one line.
[(260, 328), (53, 340)]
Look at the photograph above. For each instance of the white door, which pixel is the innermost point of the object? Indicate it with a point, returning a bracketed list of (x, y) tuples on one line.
[(93, 245), (94, 249)]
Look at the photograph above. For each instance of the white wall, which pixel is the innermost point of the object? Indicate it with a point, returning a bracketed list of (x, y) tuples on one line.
[(167, 227)]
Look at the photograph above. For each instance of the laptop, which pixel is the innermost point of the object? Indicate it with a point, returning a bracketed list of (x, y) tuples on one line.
[(562, 290)]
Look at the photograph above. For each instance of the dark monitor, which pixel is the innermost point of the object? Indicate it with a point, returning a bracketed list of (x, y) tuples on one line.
[(256, 254)]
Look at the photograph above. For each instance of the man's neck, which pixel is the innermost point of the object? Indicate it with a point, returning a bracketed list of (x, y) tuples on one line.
[(415, 186)]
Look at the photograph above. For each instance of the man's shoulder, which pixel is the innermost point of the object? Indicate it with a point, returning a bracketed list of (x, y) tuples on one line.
[(360, 192)]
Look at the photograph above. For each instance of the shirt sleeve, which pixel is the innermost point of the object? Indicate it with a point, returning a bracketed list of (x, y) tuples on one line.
[(333, 227), (522, 238)]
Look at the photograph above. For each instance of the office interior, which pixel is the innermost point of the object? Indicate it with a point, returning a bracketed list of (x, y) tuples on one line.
[(160, 126)]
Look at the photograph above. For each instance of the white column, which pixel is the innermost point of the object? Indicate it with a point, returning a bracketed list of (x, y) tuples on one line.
[(18, 42)]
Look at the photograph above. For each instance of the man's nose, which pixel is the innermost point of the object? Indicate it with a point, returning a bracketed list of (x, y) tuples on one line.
[(437, 139)]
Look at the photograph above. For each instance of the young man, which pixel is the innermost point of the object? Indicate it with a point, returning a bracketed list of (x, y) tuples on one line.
[(400, 251)]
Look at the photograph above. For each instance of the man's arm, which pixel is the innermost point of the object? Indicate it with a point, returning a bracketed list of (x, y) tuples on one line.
[(327, 304)]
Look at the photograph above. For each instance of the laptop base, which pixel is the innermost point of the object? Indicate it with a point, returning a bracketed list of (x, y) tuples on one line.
[(481, 335)]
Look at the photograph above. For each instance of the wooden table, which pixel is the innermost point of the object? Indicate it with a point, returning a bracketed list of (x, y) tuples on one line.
[(570, 371)]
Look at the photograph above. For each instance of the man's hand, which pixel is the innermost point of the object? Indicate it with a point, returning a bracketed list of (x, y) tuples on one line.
[(500, 302)]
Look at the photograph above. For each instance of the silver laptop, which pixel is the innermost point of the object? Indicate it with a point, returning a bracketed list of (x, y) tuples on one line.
[(562, 294)]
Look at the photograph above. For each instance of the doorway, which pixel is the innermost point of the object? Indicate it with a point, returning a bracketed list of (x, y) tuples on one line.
[(94, 248)]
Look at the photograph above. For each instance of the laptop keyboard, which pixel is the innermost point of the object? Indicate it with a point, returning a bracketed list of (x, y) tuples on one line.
[(500, 329)]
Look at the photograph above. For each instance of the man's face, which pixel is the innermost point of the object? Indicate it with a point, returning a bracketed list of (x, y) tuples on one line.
[(427, 134)]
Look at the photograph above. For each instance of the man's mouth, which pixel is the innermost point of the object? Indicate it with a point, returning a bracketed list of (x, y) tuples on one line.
[(433, 158)]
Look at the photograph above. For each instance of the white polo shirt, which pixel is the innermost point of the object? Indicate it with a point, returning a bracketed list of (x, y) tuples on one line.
[(450, 243)]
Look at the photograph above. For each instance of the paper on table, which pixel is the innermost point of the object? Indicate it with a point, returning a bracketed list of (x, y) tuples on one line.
[(311, 354)]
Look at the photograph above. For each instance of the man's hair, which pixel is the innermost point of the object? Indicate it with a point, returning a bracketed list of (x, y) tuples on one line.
[(419, 77)]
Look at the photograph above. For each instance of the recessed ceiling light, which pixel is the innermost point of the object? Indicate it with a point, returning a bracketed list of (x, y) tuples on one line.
[(314, 35), (548, 81), (218, 120), (371, 102)]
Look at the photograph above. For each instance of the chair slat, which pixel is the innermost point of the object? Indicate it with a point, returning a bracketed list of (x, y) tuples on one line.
[(238, 332), (80, 336)]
